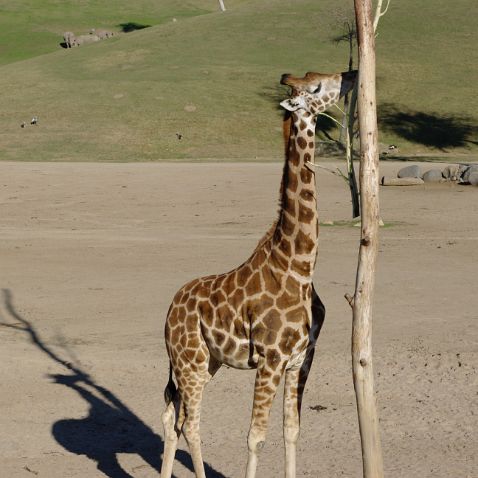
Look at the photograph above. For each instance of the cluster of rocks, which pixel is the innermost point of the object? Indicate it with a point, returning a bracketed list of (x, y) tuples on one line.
[(412, 175), (71, 40)]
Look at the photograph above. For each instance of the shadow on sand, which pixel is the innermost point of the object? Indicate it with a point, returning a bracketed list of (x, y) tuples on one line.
[(110, 427)]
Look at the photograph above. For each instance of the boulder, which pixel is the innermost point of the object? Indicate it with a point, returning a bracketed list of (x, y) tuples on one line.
[(467, 173), (432, 176), (452, 172), (473, 178), (401, 181), (410, 172)]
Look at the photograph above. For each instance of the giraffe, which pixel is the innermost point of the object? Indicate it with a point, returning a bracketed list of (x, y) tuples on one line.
[(265, 314)]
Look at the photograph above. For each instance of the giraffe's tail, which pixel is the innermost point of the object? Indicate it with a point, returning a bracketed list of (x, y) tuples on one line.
[(170, 390)]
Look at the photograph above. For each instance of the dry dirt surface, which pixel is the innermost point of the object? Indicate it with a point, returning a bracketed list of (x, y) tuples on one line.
[(91, 255)]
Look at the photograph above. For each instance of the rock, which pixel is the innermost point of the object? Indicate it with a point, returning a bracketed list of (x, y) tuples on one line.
[(450, 173), (466, 174), (432, 176), (410, 172), (401, 181), (473, 178)]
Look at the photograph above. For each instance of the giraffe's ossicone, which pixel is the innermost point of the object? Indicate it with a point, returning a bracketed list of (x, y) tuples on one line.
[(265, 314)]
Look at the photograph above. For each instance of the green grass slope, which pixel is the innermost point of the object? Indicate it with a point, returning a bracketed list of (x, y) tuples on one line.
[(213, 78), (29, 28)]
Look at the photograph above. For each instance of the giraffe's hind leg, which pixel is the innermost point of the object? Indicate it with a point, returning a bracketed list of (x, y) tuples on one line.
[(172, 418), (294, 385)]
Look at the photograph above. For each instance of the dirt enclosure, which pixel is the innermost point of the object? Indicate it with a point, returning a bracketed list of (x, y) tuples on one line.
[(91, 255)]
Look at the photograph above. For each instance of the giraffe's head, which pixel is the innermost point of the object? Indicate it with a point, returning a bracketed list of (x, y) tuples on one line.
[(317, 92)]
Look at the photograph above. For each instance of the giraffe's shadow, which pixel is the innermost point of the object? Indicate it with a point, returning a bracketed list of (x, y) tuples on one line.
[(110, 428)]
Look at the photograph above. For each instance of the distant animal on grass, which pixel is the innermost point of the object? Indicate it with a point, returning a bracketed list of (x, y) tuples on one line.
[(102, 34), (69, 39), (34, 120), (85, 39)]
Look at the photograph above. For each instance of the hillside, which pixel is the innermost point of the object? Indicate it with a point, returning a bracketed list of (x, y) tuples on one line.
[(212, 78), (29, 28)]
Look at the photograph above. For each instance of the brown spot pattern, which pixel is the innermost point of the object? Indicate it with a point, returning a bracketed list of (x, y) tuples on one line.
[(287, 225), (258, 259), (307, 194), (303, 243), (287, 300), (273, 358), (272, 280), (292, 285), (305, 175), (306, 214), (294, 156), (285, 247), (254, 284), (229, 347), (273, 320), (301, 267), (296, 315), (289, 338), (219, 337), (243, 274), (257, 307), (289, 205), (302, 142), (229, 283), (279, 260)]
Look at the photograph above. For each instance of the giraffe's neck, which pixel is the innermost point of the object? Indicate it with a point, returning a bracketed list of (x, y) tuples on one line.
[(296, 234)]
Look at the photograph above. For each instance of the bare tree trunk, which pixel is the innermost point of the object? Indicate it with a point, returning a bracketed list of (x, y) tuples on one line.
[(349, 154), (365, 280)]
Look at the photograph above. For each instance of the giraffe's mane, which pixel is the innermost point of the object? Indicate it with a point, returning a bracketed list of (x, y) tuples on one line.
[(286, 133)]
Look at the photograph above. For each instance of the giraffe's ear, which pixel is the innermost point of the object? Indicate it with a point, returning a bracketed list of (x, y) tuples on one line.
[(293, 104)]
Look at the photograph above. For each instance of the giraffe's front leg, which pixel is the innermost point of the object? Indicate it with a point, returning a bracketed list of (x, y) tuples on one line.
[(269, 372), (293, 391)]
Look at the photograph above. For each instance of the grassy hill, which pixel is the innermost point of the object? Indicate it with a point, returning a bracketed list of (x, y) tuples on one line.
[(213, 78), (29, 28)]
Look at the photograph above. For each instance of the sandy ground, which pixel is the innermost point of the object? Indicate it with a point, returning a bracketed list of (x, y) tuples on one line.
[(91, 255)]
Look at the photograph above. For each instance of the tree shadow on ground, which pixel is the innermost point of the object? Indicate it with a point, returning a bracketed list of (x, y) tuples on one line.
[(132, 26), (110, 427), (429, 129)]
